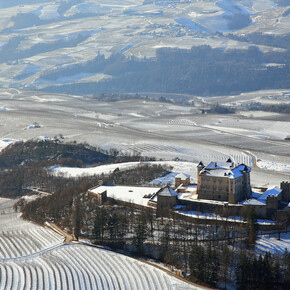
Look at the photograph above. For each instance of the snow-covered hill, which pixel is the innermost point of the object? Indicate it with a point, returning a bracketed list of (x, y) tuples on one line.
[(37, 36), (33, 257)]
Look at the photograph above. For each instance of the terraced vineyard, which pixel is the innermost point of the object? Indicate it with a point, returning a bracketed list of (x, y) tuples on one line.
[(32, 257), (19, 238), (82, 267)]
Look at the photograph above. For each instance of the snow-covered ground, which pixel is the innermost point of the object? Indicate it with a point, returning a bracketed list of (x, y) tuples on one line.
[(177, 166), (272, 165), (33, 257), (83, 267), (47, 35), (4, 143), (271, 243), (134, 194), (19, 238), (161, 130)]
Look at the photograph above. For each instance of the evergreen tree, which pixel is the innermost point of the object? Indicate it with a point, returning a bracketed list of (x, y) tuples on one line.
[(286, 268), (197, 263), (76, 219), (165, 238), (252, 228), (101, 221), (211, 265), (225, 263), (113, 226), (242, 271), (140, 232), (267, 271)]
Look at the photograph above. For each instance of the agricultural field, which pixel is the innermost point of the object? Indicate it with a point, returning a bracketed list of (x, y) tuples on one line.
[(40, 36), (19, 238), (33, 257), (165, 131)]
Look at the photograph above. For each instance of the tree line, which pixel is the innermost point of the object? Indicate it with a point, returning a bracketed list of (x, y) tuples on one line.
[(26, 165), (201, 70)]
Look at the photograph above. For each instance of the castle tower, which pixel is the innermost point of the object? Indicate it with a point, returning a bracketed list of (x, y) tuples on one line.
[(200, 166), (285, 186)]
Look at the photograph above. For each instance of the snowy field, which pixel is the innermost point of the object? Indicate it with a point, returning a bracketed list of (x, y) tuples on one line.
[(33, 257), (19, 238), (177, 166), (270, 243), (161, 130), (83, 267), (46, 35)]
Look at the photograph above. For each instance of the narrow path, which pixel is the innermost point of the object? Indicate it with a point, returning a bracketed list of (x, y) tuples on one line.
[(68, 238)]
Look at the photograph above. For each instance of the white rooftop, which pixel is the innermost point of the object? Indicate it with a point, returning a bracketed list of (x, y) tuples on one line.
[(224, 169), (132, 194), (167, 191), (272, 191), (254, 201), (182, 176)]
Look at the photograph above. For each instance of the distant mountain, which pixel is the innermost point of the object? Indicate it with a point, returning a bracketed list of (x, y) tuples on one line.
[(40, 37)]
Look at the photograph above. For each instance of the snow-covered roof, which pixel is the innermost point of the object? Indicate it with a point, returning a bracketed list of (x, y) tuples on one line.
[(255, 194), (223, 169), (272, 191), (132, 194), (182, 176), (254, 201), (200, 164), (167, 191), (219, 165)]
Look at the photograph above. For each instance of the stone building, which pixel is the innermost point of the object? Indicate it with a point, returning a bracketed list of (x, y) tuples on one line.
[(285, 186), (165, 199), (266, 204), (182, 179), (99, 193), (223, 181)]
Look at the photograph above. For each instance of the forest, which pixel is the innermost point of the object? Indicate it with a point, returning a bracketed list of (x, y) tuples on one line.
[(202, 70), (26, 165)]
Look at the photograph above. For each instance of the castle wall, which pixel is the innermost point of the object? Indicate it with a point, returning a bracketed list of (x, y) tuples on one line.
[(285, 186), (165, 204), (215, 188)]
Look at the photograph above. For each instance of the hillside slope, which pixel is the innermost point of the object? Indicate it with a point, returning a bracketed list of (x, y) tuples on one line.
[(39, 36)]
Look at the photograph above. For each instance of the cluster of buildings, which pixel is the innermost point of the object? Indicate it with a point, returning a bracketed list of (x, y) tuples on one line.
[(222, 187)]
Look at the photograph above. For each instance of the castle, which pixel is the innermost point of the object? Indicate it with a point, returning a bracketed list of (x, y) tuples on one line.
[(221, 187), (223, 181)]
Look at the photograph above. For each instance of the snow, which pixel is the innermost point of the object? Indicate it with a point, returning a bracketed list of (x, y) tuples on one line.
[(165, 131), (253, 201), (222, 169), (185, 167), (98, 170), (232, 8), (274, 166), (164, 180), (270, 243), (4, 143), (33, 257), (193, 26), (131, 194), (167, 191), (272, 191), (182, 176)]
